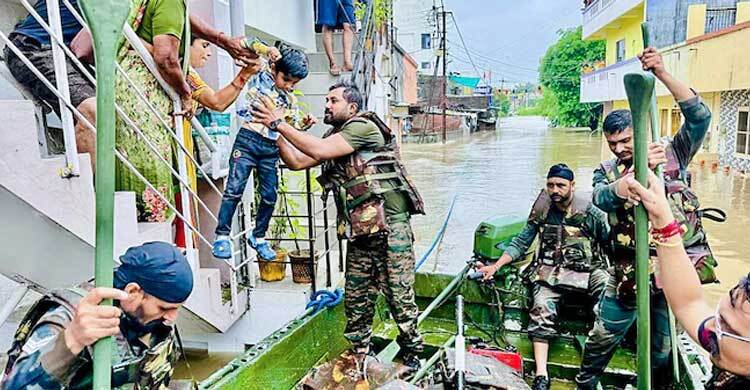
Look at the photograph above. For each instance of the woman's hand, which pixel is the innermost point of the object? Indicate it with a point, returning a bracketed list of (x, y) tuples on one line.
[(652, 198), (251, 68), (188, 108)]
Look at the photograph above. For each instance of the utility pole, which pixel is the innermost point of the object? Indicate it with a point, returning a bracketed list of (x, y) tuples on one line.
[(445, 81)]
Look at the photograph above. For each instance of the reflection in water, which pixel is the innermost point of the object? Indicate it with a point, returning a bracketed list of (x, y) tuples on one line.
[(501, 173)]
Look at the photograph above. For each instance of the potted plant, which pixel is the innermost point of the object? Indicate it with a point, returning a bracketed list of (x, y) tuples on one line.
[(302, 268), (275, 270)]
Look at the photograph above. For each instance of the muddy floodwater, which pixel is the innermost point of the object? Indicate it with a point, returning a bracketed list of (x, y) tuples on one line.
[(500, 174)]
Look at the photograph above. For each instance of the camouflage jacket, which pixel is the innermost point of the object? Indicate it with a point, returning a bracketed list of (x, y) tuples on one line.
[(681, 150), (45, 362), (685, 144)]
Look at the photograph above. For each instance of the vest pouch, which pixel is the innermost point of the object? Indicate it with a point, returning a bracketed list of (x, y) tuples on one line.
[(368, 219)]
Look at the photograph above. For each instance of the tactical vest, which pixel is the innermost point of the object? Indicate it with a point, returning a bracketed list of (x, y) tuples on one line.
[(686, 209), (358, 184), (566, 254), (149, 369)]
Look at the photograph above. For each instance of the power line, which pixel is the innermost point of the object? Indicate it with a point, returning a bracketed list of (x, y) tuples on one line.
[(464, 44)]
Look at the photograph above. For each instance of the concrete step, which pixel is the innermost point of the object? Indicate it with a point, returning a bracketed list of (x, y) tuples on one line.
[(338, 44), (155, 231), (319, 61), (317, 83), (126, 222)]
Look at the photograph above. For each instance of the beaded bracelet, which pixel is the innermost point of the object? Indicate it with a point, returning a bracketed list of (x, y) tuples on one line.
[(663, 234)]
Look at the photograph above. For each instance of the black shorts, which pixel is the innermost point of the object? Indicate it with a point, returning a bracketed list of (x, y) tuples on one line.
[(41, 57)]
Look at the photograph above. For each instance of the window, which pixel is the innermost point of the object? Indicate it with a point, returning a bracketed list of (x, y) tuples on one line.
[(620, 50), (426, 41), (426, 65), (743, 131)]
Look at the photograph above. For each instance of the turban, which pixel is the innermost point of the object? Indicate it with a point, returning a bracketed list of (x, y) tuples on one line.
[(159, 268), (562, 171)]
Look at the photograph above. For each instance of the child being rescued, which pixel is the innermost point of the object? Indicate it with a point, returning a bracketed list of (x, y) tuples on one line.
[(255, 146)]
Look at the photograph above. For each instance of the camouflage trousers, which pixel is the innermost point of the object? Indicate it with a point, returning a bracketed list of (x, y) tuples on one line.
[(382, 263), (614, 319), (543, 315)]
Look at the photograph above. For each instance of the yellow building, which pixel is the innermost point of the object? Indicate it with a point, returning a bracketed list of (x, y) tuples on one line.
[(702, 46)]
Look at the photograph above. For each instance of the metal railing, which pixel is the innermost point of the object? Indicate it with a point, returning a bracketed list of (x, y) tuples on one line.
[(315, 227), (720, 18), (364, 61), (173, 125)]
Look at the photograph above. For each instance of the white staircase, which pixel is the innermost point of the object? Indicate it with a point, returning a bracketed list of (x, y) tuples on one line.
[(315, 85), (48, 232)]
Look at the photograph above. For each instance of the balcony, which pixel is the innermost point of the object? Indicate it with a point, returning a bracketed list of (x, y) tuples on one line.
[(606, 84), (599, 14)]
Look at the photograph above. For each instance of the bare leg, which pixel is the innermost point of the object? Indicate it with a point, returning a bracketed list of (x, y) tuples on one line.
[(85, 137), (348, 37), (328, 45), (540, 357)]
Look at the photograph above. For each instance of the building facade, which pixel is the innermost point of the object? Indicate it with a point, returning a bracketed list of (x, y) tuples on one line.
[(415, 30), (702, 43)]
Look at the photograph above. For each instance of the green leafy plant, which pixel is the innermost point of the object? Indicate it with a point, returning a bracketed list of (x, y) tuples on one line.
[(381, 11), (289, 226), (560, 73)]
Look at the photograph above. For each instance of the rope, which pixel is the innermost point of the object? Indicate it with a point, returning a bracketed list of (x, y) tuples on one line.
[(438, 237), (322, 299)]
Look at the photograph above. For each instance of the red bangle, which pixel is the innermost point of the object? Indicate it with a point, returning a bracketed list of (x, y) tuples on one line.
[(672, 229)]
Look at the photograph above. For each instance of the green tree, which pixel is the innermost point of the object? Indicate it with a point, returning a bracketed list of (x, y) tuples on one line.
[(560, 74)]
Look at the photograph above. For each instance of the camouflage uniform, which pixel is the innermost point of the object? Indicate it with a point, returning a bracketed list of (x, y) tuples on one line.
[(39, 358), (617, 310), (384, 263), (568, 258), (375, 199)]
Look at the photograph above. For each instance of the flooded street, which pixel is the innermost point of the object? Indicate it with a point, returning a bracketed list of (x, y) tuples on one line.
[(501, 173)]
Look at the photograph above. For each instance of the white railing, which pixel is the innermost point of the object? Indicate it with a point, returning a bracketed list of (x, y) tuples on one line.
[(174, 125), (602, 12)]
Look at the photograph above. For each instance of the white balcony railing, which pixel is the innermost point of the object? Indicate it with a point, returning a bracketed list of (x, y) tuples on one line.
[(602, 12), (607, 84)]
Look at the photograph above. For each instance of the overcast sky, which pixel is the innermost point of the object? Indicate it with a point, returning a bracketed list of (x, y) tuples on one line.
[(508, 37)]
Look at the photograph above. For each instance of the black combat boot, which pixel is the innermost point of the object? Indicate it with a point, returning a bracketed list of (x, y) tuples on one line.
[(541, 382)]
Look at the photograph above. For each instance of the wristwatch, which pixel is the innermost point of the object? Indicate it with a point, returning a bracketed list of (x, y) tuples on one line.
[(273, 125)]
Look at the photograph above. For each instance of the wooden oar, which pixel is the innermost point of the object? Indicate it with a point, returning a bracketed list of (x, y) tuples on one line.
[(639, 88), (106, 19)]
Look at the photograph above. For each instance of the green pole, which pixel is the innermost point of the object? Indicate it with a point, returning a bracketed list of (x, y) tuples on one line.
[(639, 88), (106, 19), (655, 136)]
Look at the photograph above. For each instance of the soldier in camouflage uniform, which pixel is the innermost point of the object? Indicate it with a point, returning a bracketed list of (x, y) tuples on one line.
[(571, 231), (52, 347), (375, 200), (617, 310)]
